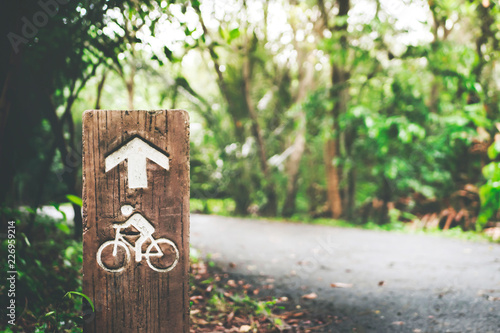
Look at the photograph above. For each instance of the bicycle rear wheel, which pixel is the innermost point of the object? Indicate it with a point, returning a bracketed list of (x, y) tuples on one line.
[(113, 263)]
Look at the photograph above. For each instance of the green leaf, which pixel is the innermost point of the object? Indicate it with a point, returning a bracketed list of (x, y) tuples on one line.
[(491, 171), (195, 4), (477, 114), (222, 32), (26, 239), (168, 53), (64, 228), (75, 199), (494, 150), (213, 54), (155, 58), (30, 210), (235, 33), (49, 314), (69, 293)]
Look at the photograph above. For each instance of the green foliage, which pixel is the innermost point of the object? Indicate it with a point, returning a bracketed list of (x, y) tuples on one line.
[(75, 199), (48, 263), (490, 191), (69, 293), (406, 118), (397, 226), (213, 206)]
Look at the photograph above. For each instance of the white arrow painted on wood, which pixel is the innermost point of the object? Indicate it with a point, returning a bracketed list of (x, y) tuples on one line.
[(136, 152)]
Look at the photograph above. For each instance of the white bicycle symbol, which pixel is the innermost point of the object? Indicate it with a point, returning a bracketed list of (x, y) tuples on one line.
[(153, 250)]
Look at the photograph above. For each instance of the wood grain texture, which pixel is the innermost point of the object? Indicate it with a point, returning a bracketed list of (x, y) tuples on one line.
[(137, 299)]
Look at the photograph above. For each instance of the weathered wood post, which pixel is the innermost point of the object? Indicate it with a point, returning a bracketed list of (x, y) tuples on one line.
[(136, 220)]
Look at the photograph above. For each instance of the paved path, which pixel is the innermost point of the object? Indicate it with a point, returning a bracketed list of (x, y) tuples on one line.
[(428, 284)]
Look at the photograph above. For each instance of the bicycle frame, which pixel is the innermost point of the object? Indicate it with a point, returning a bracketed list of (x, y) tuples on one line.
[(119, 238)]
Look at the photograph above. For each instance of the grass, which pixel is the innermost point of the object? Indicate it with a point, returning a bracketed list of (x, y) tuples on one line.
[(225, 207), (406, 228), (397, 226)]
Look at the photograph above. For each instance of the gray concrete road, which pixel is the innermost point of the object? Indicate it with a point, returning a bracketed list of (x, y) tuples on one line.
[(400, 282)]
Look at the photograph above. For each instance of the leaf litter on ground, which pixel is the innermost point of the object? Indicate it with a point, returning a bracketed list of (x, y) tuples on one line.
[(222, 303)]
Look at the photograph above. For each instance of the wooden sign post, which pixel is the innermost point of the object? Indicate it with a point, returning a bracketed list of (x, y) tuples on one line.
[(136, 220)]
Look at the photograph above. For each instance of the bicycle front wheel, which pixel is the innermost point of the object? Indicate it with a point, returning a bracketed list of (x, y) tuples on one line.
[(162, 255)]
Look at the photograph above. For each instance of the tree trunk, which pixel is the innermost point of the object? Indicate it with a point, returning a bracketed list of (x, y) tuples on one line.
[(332, 178), (130, 93), (434, 96), (5, 106), (100, 86), (306, 76), (44, 172), (351, 193), (293, 170), (73, 176), (271, 208), (350, 189), (340, 94), (333, 152), (130, 83)]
